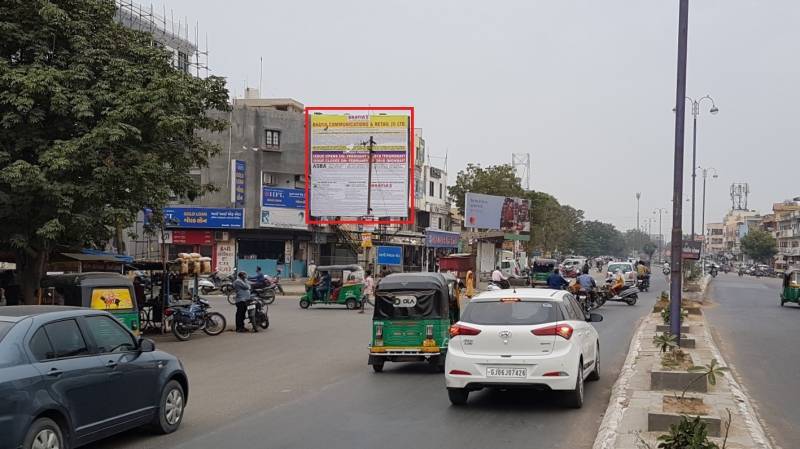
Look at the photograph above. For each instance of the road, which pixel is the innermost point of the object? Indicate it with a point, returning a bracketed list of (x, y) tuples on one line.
[(305, 384), (758, 337)]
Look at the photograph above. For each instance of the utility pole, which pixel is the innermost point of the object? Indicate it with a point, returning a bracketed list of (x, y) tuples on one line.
[(638, 196), (370, 143), (677, 194), (660, 234)]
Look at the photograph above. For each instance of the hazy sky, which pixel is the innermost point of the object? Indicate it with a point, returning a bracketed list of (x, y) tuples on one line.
[(586, 87)]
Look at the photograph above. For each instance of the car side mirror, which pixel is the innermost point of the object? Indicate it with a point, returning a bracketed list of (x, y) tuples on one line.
[(595, 318), (146, 345)]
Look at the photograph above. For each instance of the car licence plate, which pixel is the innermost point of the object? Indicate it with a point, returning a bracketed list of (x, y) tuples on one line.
[(506, 372), (251, 307)]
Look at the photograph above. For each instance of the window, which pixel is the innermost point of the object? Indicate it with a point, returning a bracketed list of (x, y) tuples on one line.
[(510, 313), (440, 223), (576, 308), (430, 188), (440, 191), (183, 62), (66, 338), (40, 346), (109, 335), (272, 139)]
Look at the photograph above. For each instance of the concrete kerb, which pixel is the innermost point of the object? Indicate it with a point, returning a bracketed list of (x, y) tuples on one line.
[(607, 433)]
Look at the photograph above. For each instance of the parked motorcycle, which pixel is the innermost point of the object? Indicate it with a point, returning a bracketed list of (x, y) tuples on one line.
[(193, 317), (257, 313), (212, 283)]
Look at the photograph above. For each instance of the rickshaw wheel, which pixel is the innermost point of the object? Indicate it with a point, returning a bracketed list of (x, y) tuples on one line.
[(782, 301), (377, 367), (350, 304), (304, 303)]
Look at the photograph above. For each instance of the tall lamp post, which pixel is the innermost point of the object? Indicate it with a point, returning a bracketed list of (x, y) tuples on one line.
[(638, 196), (703, 213), (660, 210), (695, 113)]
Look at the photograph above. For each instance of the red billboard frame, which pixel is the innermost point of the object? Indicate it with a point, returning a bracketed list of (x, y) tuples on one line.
[(411, 163)]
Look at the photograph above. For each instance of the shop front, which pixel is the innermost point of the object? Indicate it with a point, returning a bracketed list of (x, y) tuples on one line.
[(203, 230), (438, 244), (273, 250)]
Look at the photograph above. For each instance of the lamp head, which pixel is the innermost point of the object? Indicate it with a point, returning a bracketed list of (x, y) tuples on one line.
[(713, 110)]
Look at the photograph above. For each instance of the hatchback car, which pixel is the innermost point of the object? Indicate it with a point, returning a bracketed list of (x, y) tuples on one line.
[(627, 268), (70, 376), (528, 338)]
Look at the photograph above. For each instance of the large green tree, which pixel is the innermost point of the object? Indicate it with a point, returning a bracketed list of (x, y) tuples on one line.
[(596, 238), (95, 124), (500, 180), (759, 245)]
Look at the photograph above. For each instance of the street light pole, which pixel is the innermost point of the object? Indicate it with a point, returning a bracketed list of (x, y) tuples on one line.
[(660, 235), (703, 214), (638, 195), (677, 194), (695, 113)]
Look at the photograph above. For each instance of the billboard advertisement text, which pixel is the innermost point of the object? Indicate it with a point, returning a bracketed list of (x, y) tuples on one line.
[(499, 213), (283, 208)]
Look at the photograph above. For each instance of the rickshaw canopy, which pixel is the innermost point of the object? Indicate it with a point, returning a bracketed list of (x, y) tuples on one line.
[(352, 267), (412, 295)]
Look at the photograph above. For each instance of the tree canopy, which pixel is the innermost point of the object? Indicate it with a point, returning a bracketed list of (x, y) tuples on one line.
[(759, 245), (498, 180), (95, 125)]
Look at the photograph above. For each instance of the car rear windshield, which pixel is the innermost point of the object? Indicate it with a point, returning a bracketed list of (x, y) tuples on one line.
[(624, 267), (511, 313), (5, 326)]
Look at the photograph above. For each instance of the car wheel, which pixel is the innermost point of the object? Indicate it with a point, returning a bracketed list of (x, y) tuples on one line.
[(377, 367), (171, 408), (304, 303), (44, 433), (595, 374), (458, 396), (574, 397)]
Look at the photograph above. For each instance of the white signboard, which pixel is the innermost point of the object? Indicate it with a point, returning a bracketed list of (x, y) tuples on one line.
[(226, 257), (339, 165)]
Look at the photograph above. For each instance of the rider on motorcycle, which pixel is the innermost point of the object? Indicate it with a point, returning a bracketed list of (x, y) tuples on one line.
[(499, 279), (259, 280), (556, 281), (618, 283), (587, 283)]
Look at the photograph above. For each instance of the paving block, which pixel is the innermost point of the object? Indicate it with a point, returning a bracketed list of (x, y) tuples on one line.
[(665, 328)]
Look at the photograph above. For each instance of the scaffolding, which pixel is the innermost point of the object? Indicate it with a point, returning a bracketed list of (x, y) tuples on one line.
[(173, 35)]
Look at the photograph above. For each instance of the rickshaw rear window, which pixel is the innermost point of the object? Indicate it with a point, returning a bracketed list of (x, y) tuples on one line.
[(111, 298), (514, 313)]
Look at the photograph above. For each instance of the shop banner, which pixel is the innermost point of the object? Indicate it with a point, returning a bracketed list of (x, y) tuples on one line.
[(192, 237), (441, 239), (283, 208), (496, 212), (339, 163), (691, 249), (203, 218), (238, 171), (390, 255), (226, 257)]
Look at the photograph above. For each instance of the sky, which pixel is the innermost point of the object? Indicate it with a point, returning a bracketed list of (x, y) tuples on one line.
[(585, 87)]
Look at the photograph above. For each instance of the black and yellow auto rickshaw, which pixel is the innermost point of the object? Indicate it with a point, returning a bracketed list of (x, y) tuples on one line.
[(791, 287), (540, 270), (110, 292), (412, 318)]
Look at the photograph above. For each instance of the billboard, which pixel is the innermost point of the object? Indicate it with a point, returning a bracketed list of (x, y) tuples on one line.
[(691, 249), (441, 239), (283, 208), (500, 213), (238, 172), (204, 217), (338, 151)]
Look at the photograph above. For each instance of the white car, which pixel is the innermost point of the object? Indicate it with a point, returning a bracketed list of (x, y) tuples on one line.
[(627, 269), (528, 338)]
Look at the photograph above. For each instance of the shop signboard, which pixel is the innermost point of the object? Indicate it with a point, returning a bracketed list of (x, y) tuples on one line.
[(204, 217), (226, 257), (390, 255), (366, 240), (192, 237), (441, 239), (339, 158), (496, 213), (691, 249), (238, 172), (283, 208)]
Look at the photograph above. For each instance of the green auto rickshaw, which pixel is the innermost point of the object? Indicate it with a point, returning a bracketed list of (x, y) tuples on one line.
[(335, 284), (791, 287), (412, 318), (110, 292), (540, 270)]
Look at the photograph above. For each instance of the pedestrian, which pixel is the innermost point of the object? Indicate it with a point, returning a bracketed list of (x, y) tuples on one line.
[(385, 271), (369, 289), (312, 268), (242, 289)]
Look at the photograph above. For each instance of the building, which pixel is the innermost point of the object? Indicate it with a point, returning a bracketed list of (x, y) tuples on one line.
[(714, 242), (787, 233), (735, 226)]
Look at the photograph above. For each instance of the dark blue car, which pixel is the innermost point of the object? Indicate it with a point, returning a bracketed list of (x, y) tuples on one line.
[(70, 376)]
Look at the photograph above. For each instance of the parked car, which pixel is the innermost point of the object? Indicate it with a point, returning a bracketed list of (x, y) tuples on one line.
[(70, 376), (627, 269), (534, 338)]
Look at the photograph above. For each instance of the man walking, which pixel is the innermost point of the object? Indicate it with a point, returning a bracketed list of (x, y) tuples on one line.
[(242, 289)]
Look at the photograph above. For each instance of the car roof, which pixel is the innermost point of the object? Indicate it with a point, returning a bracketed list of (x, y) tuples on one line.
[(18, 313), (538, 294), (623, 263)]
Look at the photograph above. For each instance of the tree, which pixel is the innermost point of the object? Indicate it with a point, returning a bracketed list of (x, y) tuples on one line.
[(596, 238), (500, 180), (95, 125), (635, 241), (649, 248), (759, 245)]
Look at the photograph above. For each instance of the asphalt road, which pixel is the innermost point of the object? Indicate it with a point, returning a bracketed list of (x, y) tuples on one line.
[(305, 384), (759, 338)]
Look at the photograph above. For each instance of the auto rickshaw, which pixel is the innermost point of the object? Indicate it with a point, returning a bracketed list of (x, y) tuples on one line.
[(791, 287), (540, 270), (346, 286), (412, 318), (110, 292)]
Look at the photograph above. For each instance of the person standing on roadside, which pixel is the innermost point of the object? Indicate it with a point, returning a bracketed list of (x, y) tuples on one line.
[(369, 289), (242, 289)]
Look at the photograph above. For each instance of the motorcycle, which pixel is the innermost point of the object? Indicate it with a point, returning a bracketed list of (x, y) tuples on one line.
[(193, 317), (643, 283), (265, 292), (257, 313), (276, 281), (628, 295), (589, 301), (492, 286), (666, 271), (212, 283)]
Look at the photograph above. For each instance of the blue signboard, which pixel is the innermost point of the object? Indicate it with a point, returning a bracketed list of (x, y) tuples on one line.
[(204, 218), (390, 255), (284, 198), (441, 239), (238, 193)]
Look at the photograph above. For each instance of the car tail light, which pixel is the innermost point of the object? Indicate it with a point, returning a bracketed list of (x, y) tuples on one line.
[(458, 372), (460, 329), (563, 330), (556, 374), (429, 331)]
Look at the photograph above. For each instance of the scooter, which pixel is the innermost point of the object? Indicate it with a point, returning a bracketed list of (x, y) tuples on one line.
[(629, 295), (212, 283)]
